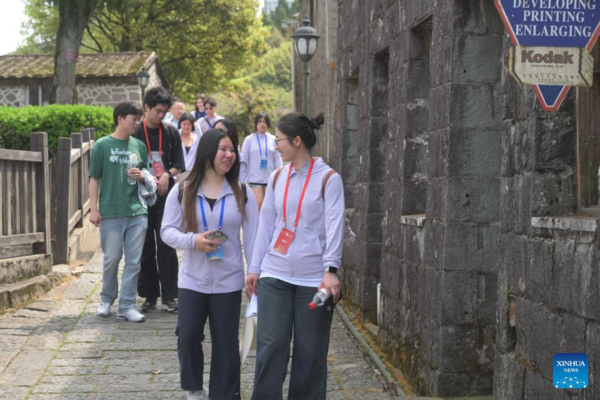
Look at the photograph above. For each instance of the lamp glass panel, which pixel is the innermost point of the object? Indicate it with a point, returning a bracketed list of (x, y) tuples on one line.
[(312, 46), (301, 46)]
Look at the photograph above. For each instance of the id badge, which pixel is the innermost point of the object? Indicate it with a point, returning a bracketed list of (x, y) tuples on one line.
[(157, 168), (215, 255), (263, 164), (284, 241)]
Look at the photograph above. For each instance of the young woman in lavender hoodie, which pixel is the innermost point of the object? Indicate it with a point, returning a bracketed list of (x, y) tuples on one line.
[(298, 250), (212, 208)]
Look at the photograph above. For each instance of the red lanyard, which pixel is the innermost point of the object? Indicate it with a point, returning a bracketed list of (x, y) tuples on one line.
[(287, 184), (159, 140)]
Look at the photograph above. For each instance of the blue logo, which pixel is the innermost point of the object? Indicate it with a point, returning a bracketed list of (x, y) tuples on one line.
[(570, 371)]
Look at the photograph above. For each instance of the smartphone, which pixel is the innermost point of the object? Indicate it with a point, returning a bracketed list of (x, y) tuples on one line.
[(218, 236)]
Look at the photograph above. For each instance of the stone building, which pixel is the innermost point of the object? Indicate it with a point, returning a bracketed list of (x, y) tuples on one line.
[(475, 211), (102, 78)]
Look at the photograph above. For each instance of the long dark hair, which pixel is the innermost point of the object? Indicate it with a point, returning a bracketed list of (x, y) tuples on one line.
[(205, 158), (199, 115), (231, 130)]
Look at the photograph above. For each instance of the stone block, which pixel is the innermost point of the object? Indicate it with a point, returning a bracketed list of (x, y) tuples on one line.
[(437, 165), (562, 271), (439, 107), (539, 273), (537, 386), (553, 194), (475, 152), (436, 199), (16, 269), (474, 106), (477, 58), (473, 16), (414, 193), (376, 197), (487, 297), (538, 331), (554, 145), (459, 297), (485, 197), (434, 244), (429, 296), (506, 333), (471, 247), (459, 200), (414, 244), (515, 204), (584, 282), (509, 375), (416, 157), (428, 337), (592, 338)]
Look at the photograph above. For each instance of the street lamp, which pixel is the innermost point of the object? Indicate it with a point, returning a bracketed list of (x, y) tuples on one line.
[(305, 43), (143, 77)]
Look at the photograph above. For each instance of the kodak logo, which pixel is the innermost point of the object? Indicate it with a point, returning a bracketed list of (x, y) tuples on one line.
[(548, 58)]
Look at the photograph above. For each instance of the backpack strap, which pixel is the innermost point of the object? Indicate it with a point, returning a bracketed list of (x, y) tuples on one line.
[(277, 173), (245, 193), (329, 174)]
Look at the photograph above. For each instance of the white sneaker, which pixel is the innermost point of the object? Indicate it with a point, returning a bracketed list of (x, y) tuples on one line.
[(197, 394), (132, 315), (104, 310)]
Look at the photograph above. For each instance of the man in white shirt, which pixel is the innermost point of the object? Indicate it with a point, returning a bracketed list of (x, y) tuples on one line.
[(210, 120), (177, 111)]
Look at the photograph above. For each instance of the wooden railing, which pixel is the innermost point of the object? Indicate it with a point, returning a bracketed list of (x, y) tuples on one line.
[(25, 196), (41, 200), (72, 198)]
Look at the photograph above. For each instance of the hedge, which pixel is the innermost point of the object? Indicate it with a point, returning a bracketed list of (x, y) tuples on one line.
[(56, 120)]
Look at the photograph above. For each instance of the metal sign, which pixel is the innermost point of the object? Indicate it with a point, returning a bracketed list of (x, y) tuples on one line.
[(564, 66), (562, 23)]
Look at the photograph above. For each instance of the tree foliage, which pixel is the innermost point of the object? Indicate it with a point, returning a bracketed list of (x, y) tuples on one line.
[(201, 44)]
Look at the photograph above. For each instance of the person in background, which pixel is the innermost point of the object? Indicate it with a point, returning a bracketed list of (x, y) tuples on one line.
[(210, 120), (177, 111), (158, 277), (229, 127), (115, 168), (199, 109), (298, 251), (189, 142), (258, 150), (204, 219)]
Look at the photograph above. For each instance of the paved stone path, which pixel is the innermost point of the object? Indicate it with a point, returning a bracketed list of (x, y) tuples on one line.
[(58, 348)]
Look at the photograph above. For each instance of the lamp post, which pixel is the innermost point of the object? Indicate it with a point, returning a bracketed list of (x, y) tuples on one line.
[(143, 77), (305, 43)]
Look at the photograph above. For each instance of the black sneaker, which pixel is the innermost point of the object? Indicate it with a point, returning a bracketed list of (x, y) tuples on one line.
[(171, 305), (149, 304)]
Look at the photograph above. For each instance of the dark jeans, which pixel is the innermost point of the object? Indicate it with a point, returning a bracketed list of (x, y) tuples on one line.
[(156, 250), (283, 310), (224, 312)]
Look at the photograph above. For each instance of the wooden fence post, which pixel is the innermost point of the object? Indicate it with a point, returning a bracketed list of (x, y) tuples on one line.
[(63, 211), (77, 143), (38, 141)]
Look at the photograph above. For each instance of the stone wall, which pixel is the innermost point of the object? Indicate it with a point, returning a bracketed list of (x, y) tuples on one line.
[(462, 193), (419, 130), (107, 94), (549, 282), (12, 96)]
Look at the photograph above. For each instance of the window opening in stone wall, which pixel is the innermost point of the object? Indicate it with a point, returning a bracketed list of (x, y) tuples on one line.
[(38, 95), (378, 124), (417, 120), (350, 141), (588, 141)]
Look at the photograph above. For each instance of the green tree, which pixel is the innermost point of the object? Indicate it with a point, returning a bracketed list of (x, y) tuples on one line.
[(201, 44)]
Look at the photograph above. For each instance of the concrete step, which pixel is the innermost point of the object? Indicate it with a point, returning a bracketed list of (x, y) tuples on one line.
[(14, 295)]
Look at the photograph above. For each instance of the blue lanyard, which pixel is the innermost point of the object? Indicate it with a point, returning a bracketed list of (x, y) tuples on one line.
[(208, 122), (201, 200), (259, 148)]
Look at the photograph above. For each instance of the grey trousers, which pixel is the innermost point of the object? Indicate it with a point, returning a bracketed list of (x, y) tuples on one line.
[(283, 311)]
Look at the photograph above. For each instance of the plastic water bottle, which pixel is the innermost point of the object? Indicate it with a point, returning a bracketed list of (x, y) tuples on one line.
[(319, 299), (132, 163)]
